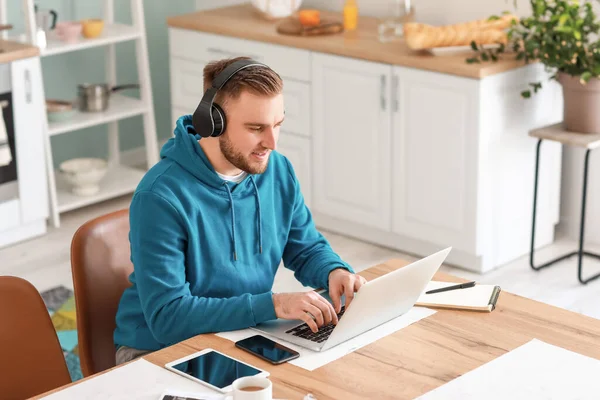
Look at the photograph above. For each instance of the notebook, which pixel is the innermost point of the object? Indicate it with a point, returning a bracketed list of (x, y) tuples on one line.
[(476, 298)]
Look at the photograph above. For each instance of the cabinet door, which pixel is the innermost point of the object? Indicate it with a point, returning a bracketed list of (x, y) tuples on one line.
[(297, 150), (351, 145), (28, 106), (434, 166)]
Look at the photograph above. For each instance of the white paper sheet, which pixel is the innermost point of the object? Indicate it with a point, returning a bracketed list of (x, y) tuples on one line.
[(311, 360), (138, 380), (535, 370)]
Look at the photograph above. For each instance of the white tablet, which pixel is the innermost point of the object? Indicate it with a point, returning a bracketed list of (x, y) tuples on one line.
[(213, 369)]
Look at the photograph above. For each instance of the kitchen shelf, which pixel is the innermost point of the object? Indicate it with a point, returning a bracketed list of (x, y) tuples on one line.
[(112, 33), (120, 107), (118, 181)]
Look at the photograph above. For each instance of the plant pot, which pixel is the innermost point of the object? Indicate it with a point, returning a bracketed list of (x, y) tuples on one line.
[(581, 104)]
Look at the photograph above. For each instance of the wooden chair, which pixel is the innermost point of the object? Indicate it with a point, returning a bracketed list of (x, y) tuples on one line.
[(101, 265), (32, 359)]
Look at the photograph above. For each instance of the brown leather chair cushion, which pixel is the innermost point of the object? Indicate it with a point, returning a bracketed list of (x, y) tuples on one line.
[(31, 356), (100, 260)]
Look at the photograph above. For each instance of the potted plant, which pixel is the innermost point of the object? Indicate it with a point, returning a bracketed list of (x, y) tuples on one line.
[(563, 36)]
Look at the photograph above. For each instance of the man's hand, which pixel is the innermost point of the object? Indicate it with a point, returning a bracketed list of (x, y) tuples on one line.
[(342, 282), (305, 306)]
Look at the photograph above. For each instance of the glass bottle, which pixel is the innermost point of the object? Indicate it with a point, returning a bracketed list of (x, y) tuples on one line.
[(391, 26), (350, 15)]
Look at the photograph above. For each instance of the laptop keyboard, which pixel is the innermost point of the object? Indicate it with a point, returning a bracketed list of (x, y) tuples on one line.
[(320, 336)]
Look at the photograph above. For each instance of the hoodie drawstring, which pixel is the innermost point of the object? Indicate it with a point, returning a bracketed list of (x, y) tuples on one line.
[(259, 215), (232, 221)]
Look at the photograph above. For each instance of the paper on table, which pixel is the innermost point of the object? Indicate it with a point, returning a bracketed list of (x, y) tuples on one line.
[(535, 370), (311, 360), (138, 380)]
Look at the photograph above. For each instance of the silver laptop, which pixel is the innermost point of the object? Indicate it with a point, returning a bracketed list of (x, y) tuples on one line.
[(377, 302)]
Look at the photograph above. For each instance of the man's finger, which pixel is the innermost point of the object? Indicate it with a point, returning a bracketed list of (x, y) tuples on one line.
[(357, 284), (334, 293), (316, 312), (310, 322), (349, 293), (328, 311)]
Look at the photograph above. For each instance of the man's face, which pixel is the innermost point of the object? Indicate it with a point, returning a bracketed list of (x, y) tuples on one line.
[(252, 130)]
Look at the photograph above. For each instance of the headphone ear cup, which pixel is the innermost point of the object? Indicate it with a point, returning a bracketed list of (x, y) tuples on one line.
[(218, 116)]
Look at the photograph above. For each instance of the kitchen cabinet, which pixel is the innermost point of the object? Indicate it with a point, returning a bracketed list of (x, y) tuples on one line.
[(435, 156), (402, 156), (297, 150), (24, 214), (351, 139)]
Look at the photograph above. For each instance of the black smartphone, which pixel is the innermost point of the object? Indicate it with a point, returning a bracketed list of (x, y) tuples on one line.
[(267, 349)]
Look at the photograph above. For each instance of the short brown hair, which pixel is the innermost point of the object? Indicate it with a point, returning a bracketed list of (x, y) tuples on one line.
[(257, 79)]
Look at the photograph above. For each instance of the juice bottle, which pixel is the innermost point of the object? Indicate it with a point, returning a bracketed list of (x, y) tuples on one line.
[(350, 15)]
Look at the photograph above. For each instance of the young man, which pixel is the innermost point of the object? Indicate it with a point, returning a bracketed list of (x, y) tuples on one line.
[(211, 222)]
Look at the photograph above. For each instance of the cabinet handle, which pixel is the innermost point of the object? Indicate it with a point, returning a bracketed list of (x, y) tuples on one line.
[(395, 93), (382, 92), (230, 54), (28, 92)]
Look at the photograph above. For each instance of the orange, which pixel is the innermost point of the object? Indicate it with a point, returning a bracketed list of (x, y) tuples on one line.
[(309, 17)]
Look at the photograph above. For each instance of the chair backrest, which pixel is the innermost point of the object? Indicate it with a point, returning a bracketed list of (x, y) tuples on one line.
[(101, 265), (32, 359)]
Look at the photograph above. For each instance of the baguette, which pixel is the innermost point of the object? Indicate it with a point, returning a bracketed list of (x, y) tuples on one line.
[(448, 36), (502, 22)]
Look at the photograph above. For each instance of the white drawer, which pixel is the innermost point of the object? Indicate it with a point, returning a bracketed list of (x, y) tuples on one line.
[(296, 97), (200, 46), (10, 214), (187, 86)]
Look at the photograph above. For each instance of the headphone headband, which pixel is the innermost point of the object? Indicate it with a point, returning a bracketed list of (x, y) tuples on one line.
[(202, 119)]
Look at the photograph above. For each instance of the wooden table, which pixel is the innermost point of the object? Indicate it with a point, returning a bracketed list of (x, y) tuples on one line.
[(422, 356)]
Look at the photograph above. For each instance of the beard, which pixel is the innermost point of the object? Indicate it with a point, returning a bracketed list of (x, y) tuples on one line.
[(239, 160)]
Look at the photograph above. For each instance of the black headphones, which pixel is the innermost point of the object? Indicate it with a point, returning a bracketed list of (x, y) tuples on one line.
[(209, 118)]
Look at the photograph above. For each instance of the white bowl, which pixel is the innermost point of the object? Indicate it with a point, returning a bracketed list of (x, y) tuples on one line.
[(84, 174), (277, 8)]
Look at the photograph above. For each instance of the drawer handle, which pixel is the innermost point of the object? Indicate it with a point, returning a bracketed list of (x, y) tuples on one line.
[(382, 92), (231, 54)]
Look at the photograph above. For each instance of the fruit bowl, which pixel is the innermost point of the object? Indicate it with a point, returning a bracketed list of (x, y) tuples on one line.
[(84, 174)]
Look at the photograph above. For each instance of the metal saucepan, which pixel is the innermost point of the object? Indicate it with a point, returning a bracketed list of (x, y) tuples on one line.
[(95, 97)]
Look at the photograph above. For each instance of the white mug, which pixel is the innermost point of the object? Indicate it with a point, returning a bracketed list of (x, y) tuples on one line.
[(262, 388)]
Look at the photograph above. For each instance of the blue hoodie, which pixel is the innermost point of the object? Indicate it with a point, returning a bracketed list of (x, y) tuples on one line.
[(205, 251)]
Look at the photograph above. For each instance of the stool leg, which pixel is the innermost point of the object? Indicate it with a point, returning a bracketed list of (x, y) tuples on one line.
[(535, 190), (581, 253)]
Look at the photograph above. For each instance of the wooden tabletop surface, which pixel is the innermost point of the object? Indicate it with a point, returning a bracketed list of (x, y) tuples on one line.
[(242, 21), (11, 51), (422, 356)]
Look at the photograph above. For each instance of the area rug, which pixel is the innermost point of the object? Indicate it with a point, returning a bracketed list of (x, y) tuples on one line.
[(60, 303)]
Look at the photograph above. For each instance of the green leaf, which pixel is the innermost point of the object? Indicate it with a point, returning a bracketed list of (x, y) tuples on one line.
[(473, 45), (472, 60), (562, 20), (493, 18), (526, 94), (563, 29), (520, 55), (585, 77), (577, 35), (484, 57), (494, 57)]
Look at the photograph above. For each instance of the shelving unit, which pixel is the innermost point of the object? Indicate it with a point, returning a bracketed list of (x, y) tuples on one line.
[(120, 179)]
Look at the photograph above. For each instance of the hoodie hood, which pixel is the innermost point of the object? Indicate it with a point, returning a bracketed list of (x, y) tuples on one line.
[(185, 150)]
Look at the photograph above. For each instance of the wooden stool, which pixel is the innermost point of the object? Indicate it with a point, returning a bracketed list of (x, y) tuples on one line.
[(588, 141)]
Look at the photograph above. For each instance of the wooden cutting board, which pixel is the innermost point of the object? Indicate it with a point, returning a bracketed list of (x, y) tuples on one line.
[(292, 26)]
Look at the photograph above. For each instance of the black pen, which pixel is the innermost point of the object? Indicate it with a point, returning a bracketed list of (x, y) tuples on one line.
[(453, 287)]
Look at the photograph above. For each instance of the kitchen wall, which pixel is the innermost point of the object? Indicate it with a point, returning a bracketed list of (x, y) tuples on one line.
[(63, 72)]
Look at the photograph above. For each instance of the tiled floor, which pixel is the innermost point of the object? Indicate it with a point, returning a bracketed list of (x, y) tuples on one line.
[(45, 262)]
